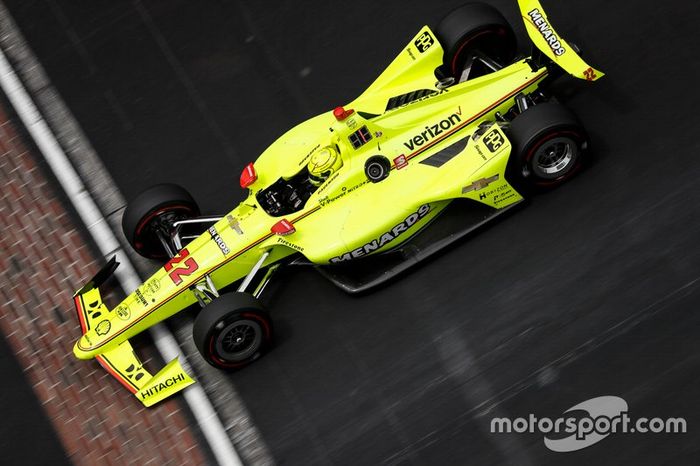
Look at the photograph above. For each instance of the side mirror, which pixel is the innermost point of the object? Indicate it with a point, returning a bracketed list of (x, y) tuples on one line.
[(248, 175)]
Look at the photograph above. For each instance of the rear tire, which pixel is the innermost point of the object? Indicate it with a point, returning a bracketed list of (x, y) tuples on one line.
[(475, 27), (232, 331), (157, 207), (549, 146)]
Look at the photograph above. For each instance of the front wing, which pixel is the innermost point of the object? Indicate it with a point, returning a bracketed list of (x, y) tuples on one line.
[(121, 361)]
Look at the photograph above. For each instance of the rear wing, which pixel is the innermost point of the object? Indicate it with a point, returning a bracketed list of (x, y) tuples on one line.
[(549, 42), (121, 361)]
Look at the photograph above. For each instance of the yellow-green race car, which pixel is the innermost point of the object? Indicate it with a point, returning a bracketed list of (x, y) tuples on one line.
[(454, 132)]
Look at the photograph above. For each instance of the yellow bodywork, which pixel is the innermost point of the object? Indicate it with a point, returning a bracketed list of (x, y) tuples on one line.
[(120, 360), (348, 216)]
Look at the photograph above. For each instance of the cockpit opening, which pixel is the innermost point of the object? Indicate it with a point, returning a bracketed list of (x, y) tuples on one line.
[(286, 196)]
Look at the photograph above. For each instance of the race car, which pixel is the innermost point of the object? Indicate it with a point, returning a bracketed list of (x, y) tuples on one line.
[(455, 132)]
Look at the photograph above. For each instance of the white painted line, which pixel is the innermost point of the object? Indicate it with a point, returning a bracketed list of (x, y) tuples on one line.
[(99, 229)]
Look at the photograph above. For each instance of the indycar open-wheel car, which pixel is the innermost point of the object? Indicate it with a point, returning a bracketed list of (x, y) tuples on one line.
[(454, 133)]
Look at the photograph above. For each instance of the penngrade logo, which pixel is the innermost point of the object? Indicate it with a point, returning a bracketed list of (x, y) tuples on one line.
[(151, 287), (123, 312), (547, 32)]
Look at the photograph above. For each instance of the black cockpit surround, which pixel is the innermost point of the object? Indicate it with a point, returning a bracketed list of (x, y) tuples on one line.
[(286, 196)]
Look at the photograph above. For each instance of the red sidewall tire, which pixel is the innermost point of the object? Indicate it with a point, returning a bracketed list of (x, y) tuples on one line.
[(572, 134), (475, 26), (533, 128), (218, 316), (146, 208), (221, 363)]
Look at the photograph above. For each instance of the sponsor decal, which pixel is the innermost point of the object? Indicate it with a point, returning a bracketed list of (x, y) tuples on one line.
[(344, 191), (410, 54), (386, 237), (545, 29), (140, 297), (424, 42), (499, 194), (306, 157), (134, 372), (218, 240), (478, 185), (123, 311), (497, 191), (429, 95), (328, 182), (167, 383), (589, 74), (151, 287), (288, 244), (434, 130), (91, 310), (503, 197), (103, 327), (400, 162), (234, 224), (494, 140)]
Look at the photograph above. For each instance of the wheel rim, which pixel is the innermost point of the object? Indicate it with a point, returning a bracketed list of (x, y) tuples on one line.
[(554, 158), (165, 216), (239, 340), (145, 236)]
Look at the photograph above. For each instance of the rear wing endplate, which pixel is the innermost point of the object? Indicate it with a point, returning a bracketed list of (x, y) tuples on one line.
[(549, 42)]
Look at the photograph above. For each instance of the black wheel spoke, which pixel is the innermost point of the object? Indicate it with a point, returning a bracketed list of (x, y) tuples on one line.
[(239, 340)]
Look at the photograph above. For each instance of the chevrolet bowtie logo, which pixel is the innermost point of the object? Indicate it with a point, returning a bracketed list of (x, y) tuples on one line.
[(234, 224), (479, 184)]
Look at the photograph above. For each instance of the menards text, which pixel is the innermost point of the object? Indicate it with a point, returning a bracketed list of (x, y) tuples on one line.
[(385, 238), (547, 32)]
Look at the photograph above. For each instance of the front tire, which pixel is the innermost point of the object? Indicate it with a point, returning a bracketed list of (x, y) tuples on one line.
[(158, 207), (232, 331), (548, 146)]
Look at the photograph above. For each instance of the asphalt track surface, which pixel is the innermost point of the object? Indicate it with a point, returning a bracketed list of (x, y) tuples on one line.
[(591, 290), (26, 436)]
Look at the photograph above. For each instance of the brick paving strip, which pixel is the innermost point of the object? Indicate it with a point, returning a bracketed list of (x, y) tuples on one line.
[(218, 387), (44, 258)]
